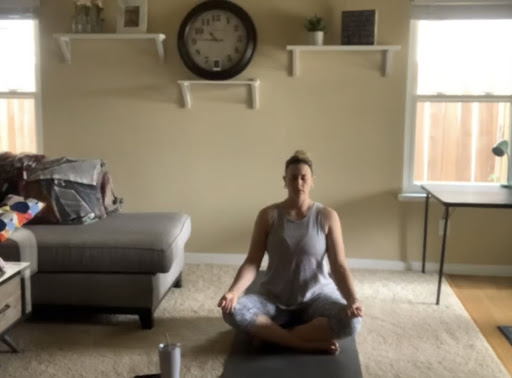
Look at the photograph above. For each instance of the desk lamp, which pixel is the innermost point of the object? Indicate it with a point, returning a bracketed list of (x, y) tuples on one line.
[(500, 149)]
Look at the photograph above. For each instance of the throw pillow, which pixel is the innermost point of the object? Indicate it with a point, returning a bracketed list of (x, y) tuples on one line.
[(15, 212), (7, 224)]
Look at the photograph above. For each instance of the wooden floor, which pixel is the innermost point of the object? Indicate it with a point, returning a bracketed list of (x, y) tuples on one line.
[(488, 300)]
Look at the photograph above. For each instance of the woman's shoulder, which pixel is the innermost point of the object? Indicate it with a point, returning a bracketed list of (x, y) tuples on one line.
[(269, 213), (328, 214), (270, 208)]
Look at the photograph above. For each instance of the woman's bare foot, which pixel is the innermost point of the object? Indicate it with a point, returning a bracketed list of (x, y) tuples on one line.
[(268, 331), (315, 336), (330, 347)]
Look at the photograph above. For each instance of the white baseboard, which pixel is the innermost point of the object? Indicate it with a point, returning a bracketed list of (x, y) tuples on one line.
[(466, 269), (214, 258)]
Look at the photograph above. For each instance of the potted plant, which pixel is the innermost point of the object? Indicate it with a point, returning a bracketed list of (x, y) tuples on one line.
[(316, 26)]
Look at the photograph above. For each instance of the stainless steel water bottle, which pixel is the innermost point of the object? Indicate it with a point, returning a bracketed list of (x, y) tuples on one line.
[(169, 355)]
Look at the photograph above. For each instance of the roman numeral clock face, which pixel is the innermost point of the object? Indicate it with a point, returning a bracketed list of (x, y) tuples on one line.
[(217, 40)]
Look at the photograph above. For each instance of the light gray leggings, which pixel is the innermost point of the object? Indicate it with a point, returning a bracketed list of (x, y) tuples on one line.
[(329, 305)]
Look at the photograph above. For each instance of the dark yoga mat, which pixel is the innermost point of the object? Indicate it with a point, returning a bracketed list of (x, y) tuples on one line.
[(507, 332), (269, 361)]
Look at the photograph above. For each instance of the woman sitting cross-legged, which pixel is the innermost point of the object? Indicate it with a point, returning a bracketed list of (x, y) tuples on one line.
[(298, 304)]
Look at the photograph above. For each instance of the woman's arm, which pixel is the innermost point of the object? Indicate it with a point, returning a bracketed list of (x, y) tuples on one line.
[(249, 268), (336, 255)]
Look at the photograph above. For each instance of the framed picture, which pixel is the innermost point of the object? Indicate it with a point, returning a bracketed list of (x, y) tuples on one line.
[(132, 16), (359, 27)]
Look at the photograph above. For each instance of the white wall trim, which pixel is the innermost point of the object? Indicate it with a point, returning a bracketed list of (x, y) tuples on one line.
[(411, 197), (214, 258), (466, 269)]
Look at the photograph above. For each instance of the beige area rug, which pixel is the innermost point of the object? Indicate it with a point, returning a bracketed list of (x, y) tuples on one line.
[(404, 334)]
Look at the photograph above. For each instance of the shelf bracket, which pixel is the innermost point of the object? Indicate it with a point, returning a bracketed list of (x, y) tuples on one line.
[(387, 56), (159, 40), (255, 98), (294, 56), (185, 93), (65, 47), (253, 83)]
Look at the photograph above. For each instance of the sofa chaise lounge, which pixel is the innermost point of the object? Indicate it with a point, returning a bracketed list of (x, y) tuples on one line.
[(125, 263)]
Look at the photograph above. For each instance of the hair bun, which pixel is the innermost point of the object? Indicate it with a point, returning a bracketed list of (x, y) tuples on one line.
[(299, 157), (301, 154)]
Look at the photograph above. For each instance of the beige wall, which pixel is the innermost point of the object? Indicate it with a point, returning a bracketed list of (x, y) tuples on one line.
[(221, 161)]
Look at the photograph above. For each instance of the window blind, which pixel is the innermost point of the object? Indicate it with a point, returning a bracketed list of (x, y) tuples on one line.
[(18, 8), (461, 10)]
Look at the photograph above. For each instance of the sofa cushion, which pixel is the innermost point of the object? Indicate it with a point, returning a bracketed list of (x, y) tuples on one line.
[(120, 243)]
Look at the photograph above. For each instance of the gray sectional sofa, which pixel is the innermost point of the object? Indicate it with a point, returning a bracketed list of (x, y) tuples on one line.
[(125, 263)]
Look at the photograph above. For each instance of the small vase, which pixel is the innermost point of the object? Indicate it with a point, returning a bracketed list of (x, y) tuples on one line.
[(316, 38)]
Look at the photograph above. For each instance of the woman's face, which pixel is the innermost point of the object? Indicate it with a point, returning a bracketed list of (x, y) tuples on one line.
[(298, 180)]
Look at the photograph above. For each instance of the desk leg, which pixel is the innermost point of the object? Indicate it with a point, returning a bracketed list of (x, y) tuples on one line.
[(425, 227), (446, 214), (7, 341)]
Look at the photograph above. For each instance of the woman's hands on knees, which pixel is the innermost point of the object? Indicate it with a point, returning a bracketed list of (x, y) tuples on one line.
[(228, 301), (354, 308)]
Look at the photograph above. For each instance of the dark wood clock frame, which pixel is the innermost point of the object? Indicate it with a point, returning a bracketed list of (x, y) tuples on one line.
[(247, 56)]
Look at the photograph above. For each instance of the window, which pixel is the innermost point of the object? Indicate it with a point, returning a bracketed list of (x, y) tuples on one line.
[(19, 86), (459, 95)]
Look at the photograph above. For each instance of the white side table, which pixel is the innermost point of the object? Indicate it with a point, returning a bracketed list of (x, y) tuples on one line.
[(15, 299)]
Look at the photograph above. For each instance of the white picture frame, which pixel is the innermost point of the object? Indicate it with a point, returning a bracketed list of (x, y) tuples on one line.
[(132, 16)]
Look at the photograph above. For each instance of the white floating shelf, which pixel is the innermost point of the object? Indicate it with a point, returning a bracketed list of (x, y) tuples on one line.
[(65, 41), (386, 51), (253, 83)]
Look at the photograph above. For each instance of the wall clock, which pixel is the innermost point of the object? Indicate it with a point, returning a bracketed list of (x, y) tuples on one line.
[(217, 39)]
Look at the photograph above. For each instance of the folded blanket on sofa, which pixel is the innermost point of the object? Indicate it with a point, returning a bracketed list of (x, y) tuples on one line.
[(75, 191), (11, 171)]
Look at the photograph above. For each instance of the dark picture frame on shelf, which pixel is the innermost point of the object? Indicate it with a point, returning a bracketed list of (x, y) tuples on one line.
[(359, 27)]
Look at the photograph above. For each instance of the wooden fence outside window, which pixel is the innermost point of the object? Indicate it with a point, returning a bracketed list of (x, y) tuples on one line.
[(17, 125), (454, 141)]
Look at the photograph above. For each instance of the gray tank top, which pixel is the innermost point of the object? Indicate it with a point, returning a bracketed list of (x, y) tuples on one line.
[(296, 252)]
